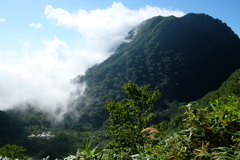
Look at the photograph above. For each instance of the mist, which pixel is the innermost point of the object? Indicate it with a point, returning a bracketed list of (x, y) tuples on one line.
[(42, 76)]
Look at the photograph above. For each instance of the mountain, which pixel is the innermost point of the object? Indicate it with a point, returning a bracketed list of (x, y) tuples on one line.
[(230, 87), (184, 58)]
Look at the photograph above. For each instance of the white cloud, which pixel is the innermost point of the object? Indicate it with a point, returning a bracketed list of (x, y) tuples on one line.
[(2, 20), (43, 76), (103, 29), (24, 44), (34, 25)]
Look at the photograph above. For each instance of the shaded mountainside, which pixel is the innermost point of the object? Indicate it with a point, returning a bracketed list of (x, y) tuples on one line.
[(184, 58), (230, 87)]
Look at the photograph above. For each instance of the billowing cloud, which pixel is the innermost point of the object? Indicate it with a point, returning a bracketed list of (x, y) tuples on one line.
[(30, 77), (103, 29), (35, 25), (43, 76), (2, 20)]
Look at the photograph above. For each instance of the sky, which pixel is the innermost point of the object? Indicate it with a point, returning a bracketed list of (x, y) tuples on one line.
[(46, 43)]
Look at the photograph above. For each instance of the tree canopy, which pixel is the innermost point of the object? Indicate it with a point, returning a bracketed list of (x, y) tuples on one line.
[(129, 116)]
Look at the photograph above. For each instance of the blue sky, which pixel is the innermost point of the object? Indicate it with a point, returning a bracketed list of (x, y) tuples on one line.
[(45, 43), (19, 14)]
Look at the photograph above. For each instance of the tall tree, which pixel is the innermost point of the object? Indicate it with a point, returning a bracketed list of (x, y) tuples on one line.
[(129, 116)]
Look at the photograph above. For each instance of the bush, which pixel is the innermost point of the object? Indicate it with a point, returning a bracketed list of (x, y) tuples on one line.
[(13, 152)]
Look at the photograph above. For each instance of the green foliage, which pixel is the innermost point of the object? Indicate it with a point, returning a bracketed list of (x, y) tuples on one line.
[(13, 152), (211, 132), (32, 116), (129, 116), (64, 143), (229, 87), (11, 128), (215, 127), (86, 153)]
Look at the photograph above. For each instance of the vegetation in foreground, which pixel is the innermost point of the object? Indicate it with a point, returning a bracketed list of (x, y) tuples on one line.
[(210, 132), (201, 132)]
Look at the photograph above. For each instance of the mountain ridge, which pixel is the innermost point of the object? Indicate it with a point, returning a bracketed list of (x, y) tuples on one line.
[(184, 58)]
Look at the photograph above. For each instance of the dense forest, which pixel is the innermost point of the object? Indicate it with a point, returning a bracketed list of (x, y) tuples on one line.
[(164, 63)]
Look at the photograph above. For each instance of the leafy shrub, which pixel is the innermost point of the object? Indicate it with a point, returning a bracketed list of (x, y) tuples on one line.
[(211, 132), (129, 116), (86, 153), (13, 152)]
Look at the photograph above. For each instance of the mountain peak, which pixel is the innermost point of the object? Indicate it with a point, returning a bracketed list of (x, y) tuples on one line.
[(184, 58)]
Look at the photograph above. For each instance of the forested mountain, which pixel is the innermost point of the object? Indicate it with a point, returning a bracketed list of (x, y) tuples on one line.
[(184, 58)]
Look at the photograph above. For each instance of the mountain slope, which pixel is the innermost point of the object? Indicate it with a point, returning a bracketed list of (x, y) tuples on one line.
[(182, 57), (230, 87)]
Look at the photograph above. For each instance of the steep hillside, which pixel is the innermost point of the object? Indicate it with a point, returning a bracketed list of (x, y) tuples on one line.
[(230, 87), (184, 58)]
